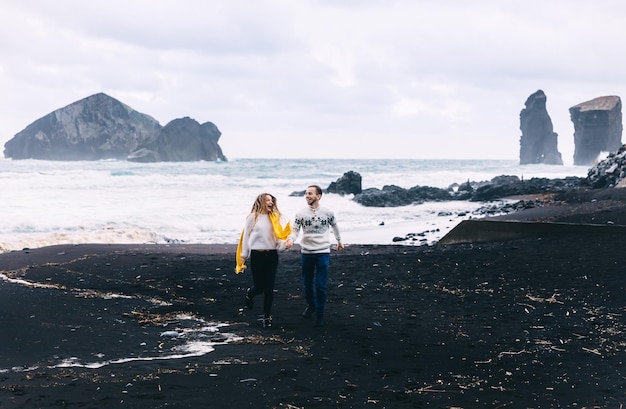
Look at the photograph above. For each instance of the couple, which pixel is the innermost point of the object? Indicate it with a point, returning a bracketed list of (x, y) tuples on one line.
[(262, 237)]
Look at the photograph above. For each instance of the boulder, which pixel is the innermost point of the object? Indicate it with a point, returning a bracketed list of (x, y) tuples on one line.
[(349, 183), (388, 196), (597, 128), (538, 143), (609, 172), (393, 196)]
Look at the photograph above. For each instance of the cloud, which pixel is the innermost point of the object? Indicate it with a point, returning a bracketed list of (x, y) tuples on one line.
[(319, 78)]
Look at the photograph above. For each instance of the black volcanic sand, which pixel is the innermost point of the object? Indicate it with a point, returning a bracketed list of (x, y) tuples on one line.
[(532, 323)]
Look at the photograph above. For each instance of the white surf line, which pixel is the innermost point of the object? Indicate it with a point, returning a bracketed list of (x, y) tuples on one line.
[(10, 280), (193, 346), (80, 291), (88, 293)]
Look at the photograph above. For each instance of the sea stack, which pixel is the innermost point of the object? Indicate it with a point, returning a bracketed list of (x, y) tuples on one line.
[(597, 128), (538, 143)]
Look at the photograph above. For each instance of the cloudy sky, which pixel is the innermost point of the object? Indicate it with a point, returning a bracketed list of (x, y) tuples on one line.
[(319, 78)]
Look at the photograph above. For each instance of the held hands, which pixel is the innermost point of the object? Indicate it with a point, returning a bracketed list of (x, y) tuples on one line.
[(288, 244), (339, 246)]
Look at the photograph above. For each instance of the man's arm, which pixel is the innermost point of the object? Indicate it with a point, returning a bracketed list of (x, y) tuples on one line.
[(336, 233)]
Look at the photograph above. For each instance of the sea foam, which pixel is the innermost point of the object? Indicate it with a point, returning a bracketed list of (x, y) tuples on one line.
[(46, 202)]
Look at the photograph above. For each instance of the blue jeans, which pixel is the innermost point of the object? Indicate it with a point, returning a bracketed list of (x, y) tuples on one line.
[(314, 277)]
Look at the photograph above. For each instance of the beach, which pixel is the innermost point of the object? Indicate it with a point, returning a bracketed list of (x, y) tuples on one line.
[(535, 322)]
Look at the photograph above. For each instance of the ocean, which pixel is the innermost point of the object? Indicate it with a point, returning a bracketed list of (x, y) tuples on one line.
[(47, 202)]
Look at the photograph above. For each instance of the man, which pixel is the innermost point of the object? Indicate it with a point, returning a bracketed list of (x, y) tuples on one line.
[(316, 222)]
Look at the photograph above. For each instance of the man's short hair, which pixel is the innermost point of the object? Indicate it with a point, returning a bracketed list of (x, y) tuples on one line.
[(318, 189)]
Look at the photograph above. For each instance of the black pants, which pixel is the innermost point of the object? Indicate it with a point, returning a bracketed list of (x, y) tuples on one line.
[(263, 265)]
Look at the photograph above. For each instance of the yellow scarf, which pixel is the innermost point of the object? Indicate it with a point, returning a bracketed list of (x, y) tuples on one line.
[(279, 232)]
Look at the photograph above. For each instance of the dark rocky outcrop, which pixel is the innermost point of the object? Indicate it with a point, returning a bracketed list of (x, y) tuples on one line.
[(610, 172), (538, 143), (392, 196), (497, 188), (597, 128), (349, 183), (513, 186), (101, 127), (388, 196), (182, 139)]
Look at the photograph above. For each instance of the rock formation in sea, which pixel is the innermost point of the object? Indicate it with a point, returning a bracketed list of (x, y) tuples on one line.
[(494, 189), (182, 139), (597, 128), (608, 173), (349, 183), (101, 127), (538, 143)]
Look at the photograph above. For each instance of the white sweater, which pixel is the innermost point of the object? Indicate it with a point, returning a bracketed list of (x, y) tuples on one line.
[(259, 235), (316, 225)]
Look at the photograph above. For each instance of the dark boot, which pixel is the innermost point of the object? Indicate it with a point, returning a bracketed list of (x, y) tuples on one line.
[(308, 312), (249, 302)]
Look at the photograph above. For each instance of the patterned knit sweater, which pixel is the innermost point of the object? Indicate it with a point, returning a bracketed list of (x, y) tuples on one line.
[(316, 225)]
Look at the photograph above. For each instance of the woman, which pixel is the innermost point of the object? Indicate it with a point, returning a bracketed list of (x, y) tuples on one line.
[(262, 237)]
